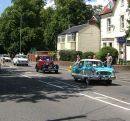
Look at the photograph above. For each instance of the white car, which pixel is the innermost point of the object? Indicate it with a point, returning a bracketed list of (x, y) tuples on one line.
[(6, 58), (20, 59)]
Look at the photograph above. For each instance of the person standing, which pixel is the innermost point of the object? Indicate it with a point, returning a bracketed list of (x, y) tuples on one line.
[(78, 58), (109, 60)]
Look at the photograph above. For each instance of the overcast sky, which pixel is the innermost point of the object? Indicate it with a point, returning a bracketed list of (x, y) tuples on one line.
[(6, 3)]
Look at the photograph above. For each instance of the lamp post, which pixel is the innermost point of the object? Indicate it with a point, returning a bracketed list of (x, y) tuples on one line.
[(20, 32)]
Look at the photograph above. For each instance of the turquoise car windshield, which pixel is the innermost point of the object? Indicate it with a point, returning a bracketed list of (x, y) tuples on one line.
[(93, 63)]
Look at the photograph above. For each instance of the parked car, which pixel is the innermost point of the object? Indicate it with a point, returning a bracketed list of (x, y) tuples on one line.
[(92, 69), (20, 59), (5, 58), (46, 64)]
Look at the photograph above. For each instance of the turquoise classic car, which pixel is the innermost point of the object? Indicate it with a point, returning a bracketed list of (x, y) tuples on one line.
[(92, 69)]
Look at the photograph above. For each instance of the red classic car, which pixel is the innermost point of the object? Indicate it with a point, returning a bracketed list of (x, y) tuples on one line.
[(46, 64)]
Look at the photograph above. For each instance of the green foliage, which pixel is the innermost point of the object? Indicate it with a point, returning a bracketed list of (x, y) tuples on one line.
[(39, 26), (88, 54), (128, 62), (103, 52), (69, 55)]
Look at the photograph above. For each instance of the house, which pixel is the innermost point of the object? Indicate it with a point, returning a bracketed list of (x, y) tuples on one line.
[(114, 26), (83, 38)]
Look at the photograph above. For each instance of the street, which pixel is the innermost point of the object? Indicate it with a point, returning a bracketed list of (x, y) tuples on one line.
[(27, 95)]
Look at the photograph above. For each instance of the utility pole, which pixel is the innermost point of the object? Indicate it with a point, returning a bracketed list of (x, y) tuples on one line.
[(20, 32)]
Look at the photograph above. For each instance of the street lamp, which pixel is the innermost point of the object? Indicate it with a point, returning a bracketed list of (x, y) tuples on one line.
[(20, 32)]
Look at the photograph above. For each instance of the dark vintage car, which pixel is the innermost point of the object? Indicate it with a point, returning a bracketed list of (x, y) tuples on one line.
[(45, 63), (92, 69)]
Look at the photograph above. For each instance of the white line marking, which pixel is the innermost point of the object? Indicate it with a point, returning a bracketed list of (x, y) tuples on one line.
[(100, 97), (51, 84), (105, 102), (26, 76), (112, 98), (67, 84)]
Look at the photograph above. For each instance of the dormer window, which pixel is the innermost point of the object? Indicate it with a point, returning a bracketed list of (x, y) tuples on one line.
[(122, 2)]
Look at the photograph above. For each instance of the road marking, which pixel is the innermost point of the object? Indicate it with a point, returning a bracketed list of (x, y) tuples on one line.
[(111, 98), (104, 101), (51, 84), (26, 76), (100, 97), (67, 84)]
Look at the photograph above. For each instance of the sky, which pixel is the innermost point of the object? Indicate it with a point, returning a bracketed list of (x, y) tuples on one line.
[(5, 3)]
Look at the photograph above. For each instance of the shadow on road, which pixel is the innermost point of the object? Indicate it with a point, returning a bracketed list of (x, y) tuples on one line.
[(22, 89)]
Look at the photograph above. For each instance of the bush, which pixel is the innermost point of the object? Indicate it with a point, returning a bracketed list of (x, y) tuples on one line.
[(128, 62), (88, 54), (103, 52), (69, 55)]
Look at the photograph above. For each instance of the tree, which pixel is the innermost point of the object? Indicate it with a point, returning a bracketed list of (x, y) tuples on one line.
[(31, 29), (65, 14), (39, 26)]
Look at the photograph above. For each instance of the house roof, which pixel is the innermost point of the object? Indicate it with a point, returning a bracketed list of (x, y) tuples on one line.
[(74, 29), (109, 7)]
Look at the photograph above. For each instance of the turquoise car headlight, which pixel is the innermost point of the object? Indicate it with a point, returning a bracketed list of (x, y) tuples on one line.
[(113, 73)]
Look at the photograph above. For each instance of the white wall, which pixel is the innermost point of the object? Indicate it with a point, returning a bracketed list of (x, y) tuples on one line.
[(115, 20)]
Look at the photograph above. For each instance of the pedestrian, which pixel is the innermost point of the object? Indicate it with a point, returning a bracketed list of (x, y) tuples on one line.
[(109, 60), (89, 57), (78, 58), (94, 56)]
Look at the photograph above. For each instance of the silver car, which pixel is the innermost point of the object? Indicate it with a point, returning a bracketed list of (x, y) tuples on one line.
[(20, 59)]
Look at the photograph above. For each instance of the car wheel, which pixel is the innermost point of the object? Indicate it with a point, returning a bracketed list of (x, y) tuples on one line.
[(109, 82), (87, 82), (56, 71), (36, 68), (75, 79), (43, 68)]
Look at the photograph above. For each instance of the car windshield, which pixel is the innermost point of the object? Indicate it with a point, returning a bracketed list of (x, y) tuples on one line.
[(48, 58), (5, 55), (21, 56), (93, 63)]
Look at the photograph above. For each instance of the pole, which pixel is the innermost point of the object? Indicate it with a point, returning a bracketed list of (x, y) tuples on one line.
[(126, 51), (20, 31)]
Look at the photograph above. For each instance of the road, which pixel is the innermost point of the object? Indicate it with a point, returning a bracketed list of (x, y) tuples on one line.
[(26, 95)]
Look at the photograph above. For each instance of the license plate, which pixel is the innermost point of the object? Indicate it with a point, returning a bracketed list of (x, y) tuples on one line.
[(104, 78)]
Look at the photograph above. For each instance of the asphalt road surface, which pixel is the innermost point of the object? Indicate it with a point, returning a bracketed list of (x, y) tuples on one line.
[(27, 95)]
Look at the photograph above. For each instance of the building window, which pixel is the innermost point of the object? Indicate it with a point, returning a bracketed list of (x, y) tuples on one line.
[(122, 25), (110, 44), (108, 24), (128, 42), (59, 39), (71, 37), (62, 38), (122, 3), (104, 44)]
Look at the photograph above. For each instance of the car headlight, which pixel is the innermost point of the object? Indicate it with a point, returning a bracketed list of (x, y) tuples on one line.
[(113, 73)]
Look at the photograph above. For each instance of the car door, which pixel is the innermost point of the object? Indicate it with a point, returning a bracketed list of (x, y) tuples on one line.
[(80, 69), (75, 68)]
